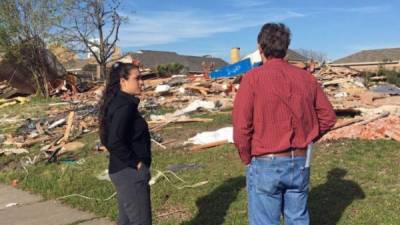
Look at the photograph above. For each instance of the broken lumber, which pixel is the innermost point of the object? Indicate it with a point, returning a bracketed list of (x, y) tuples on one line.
[(395, 135), (39, 128), (348, 123), (361, 121), (202, 90), (68, 130), (32, 142), (56, 123), (208, 145), (159, 144), (169, 141), (189, 120), (71, 147), (383, 115), (17, 151)]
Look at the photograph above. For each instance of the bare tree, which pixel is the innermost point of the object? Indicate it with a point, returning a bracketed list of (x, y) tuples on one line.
[(26, 27), (313, 55), (94, 27)]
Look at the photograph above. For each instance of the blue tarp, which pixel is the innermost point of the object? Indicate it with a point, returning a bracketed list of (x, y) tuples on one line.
[(232, 70)]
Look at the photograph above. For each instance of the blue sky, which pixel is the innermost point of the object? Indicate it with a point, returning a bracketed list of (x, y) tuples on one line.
[(206, 27)]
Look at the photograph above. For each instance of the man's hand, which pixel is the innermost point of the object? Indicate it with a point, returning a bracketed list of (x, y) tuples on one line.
[(139, 166)]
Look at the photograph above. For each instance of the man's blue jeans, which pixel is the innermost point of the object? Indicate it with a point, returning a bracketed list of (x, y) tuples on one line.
[(278, 186)]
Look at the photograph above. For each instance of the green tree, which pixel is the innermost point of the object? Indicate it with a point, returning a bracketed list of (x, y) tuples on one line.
[(26, 27), (170, 69)]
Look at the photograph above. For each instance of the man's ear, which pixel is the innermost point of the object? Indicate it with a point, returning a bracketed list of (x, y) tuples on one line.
[(261, 51)]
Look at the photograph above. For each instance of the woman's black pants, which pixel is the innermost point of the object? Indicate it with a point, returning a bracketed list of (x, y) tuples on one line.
[(133, 193)]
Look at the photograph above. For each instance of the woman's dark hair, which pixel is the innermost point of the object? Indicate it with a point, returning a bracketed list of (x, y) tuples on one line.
[(118, 70), (274, 40)]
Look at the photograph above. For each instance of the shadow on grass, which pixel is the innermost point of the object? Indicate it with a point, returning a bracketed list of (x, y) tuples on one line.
[(328, 201), (214, 206)]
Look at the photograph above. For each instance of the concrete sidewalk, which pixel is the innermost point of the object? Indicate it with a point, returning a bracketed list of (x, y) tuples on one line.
[(33, 210)]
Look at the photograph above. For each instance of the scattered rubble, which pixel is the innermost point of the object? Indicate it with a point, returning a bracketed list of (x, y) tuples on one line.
[(17, 151), (7, 91), (373, 107), (367, 110), (64, 122), (387, 127), (14, 101), (56, 132)]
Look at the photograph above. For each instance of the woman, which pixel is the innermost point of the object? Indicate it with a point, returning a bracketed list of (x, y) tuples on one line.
[(126, 135)]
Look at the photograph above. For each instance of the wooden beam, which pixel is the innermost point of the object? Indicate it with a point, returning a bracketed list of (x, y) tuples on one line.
[(69, 127), (209, 145)]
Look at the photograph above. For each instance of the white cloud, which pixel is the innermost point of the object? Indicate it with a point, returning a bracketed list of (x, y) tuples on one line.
[(362, 9), (248, 3), (162, 27)]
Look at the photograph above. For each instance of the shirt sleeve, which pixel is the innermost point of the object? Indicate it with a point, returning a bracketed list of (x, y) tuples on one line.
[(243, 119), (325, 113), (121, 120)]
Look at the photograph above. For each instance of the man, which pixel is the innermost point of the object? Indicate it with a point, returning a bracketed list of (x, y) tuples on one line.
[(279, 109)]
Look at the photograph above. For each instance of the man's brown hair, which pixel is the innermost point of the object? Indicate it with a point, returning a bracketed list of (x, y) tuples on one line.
[(274, 40)]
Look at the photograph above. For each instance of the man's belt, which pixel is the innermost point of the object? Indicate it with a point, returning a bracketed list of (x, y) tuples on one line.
[(295, 152)]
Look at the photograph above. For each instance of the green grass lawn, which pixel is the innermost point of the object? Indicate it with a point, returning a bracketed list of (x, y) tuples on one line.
[(353, 181)]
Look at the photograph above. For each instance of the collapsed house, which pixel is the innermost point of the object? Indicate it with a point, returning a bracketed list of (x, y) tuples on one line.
[(19, 78), (85, 69)]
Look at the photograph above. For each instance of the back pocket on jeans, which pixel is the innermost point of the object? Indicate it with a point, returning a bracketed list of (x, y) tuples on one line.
[(267, 181)]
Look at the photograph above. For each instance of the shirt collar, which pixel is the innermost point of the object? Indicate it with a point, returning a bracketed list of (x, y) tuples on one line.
[(129, 97), (275, 61)]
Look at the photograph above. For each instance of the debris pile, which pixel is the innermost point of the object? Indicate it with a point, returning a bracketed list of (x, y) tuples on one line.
[(372, 105), (69, 88), (384, 127), (367, 109), (56, 131), (187, 94), (6, 90), (180, 90), (17, 100)]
